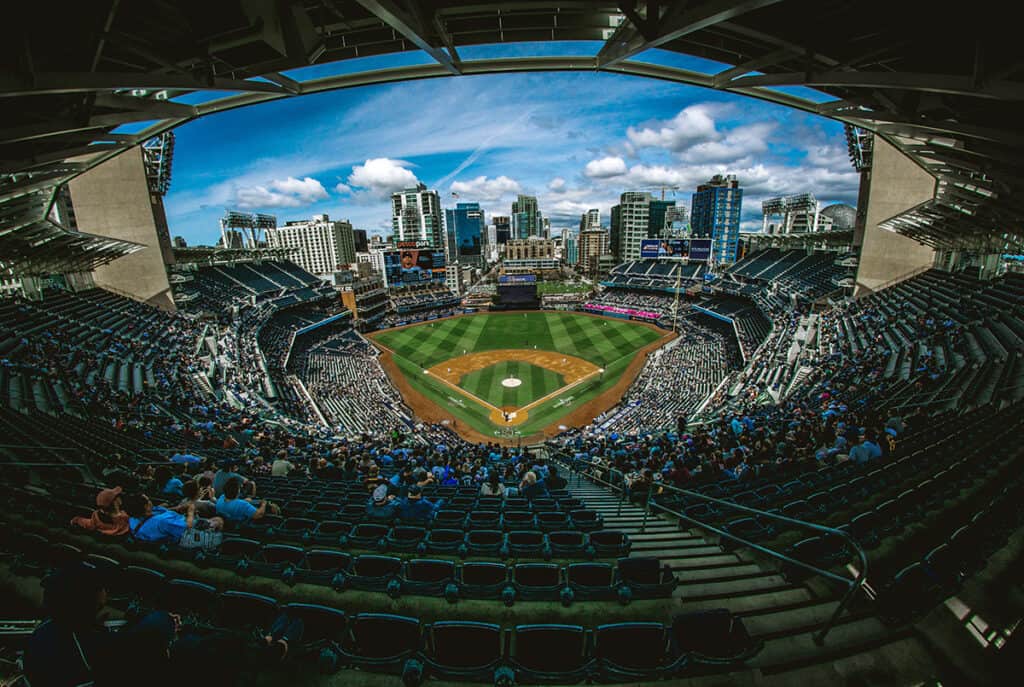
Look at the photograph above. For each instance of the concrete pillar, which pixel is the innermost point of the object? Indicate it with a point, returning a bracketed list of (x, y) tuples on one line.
[(896, 185), (113, 199)]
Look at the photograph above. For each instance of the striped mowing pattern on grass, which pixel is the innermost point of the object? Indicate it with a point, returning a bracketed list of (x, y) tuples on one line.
[(596, 340)]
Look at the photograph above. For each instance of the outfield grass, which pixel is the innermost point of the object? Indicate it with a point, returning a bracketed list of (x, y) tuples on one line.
[(537, 382), (608, 344), (595, 340)]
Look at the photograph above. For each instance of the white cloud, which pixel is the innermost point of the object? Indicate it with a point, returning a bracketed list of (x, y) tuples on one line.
[(483, 188), (557, 185), (693, 124), (280, 193), (342, 188), (605, 167), (382, 175), (737, 144)]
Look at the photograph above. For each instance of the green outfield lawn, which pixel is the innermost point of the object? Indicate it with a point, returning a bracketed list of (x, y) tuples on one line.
[(609, 344), (561, 287)]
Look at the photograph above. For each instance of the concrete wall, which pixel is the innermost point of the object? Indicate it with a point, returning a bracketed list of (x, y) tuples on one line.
[(896, 184), (113, 200)]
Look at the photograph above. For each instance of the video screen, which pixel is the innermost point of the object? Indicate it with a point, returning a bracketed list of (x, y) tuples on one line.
[(408, 266)]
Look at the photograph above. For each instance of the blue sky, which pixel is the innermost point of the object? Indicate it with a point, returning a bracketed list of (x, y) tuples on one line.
[(575, 140)]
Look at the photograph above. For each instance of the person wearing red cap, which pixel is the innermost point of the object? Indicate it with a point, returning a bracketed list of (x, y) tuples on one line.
[(108, 518)]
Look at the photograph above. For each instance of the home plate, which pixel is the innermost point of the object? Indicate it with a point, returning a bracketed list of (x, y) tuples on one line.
[(511, 382)]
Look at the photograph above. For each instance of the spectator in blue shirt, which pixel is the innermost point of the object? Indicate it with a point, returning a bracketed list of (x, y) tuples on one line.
[(185, 457), (151, 524), (235, 509), (226, 473), (381, 506), (415, 507)]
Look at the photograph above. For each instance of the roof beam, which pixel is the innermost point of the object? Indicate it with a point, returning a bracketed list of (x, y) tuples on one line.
[(410, 26), (905, 81), (56, 83), (679, 21)]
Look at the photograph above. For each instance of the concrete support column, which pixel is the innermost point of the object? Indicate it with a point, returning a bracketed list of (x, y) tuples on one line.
[(113, 199), (896, 185)]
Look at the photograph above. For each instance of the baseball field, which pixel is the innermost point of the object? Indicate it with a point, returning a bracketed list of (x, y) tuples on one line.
[(502, 375)]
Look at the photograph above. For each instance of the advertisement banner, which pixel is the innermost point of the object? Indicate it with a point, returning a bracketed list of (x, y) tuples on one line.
[(700, 249)]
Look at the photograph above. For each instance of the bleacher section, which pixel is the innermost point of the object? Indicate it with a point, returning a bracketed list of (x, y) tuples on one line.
[(793, 272)]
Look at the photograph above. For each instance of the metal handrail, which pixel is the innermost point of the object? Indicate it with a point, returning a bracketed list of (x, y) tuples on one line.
[(854, 584)]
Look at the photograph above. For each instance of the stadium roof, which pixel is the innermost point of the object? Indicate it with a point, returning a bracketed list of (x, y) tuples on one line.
[(84, 81), (216, 254)]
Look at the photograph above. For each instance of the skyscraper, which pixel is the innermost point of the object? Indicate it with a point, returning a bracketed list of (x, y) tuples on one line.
[(657, 218), (466, 224), (591, 219), (715, 213), (361, 240), (593, 243), (502, 229), (570, 247), (416, 216), (529, 218), (631, 224)]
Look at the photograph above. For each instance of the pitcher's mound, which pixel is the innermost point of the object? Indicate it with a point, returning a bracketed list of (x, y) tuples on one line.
[(511, 382)]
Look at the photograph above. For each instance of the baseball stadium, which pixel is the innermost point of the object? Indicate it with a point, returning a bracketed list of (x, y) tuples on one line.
[(523, 342), (536, 372)]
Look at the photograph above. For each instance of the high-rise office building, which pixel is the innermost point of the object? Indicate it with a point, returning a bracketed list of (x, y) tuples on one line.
[(570, 247), (545, 226), (502, 229), (466, 225), (593, 243), (361, 240), (526, 218), (715, 213), (416, 216), (631, 224), (591, 219), (657, 218), (324, 246)]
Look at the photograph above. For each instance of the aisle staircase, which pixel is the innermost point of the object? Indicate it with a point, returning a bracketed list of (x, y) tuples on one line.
[(784, 616)]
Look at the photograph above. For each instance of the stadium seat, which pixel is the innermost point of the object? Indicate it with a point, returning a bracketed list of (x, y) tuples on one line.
[(273, 559), (479, 580), (537, 581), (427, 576), (330, 531), (519, 520), (232, 551), (405, 537), (450, 519), (374, 573), (143, 584), (646, 577), (322, 625), (368, 536), (633, 651), (381, 641), (550, 653), (591, 581), (713, 637), (463, 650), (549, 521), (246, 610), (485, 542), (484, 520), (568, 544), (189, 598), (445, 540), (610, 543), (586, 520), (529, 544), (320, 566)]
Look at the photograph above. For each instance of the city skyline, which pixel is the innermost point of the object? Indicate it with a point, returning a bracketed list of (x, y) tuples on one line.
[(616, 134)]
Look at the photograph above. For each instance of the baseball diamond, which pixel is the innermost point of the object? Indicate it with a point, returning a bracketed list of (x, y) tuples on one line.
[(513, 370)]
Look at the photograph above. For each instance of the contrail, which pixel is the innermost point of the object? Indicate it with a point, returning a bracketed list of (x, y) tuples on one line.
[(480, 150)]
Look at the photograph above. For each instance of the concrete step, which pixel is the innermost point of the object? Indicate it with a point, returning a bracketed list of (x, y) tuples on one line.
[(757, 600), (695, 562), (797, 648), (790, 620), (729, 588), (726, 572)]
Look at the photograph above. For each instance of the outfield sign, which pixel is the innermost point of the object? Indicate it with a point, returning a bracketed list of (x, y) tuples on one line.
[(692, 249), (518, 279)]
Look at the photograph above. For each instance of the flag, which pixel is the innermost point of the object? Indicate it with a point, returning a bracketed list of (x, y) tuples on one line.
[(454, 194)]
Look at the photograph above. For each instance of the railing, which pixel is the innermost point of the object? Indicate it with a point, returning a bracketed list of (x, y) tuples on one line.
[(853, 584)]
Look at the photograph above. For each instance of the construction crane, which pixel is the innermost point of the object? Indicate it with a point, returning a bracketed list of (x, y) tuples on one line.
[(662, 188)]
